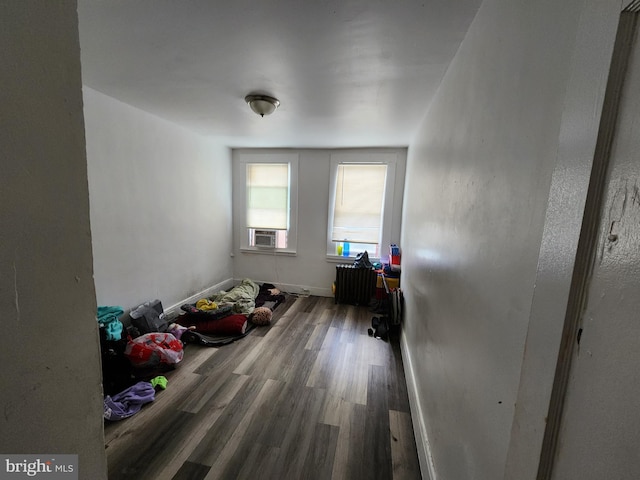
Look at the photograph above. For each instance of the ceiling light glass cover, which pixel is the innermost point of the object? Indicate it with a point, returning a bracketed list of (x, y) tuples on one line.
[(262, 104)]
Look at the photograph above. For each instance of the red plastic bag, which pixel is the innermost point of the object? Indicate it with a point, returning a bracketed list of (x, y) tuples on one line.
[(152, 349)]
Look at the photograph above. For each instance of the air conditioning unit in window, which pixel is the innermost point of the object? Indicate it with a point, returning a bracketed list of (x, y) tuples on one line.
[(265, 238)]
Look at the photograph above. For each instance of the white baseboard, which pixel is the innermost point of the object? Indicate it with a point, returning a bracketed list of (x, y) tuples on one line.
[(296, 289), (207, 292), (419, 429)]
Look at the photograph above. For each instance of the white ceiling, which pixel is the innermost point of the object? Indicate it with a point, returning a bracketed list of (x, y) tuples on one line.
[(348, 73)]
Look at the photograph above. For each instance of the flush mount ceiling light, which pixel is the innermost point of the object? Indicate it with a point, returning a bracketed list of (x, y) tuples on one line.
[(262, 104)]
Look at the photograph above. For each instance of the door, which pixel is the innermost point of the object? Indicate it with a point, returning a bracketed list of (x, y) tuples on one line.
[(598, 435)]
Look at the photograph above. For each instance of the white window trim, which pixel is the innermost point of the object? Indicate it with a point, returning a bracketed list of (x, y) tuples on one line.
[(292, 238), (388, 158)]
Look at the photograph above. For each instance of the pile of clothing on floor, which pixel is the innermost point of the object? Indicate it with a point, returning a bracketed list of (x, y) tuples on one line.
[(141, 346), (227, 316), (127, 403)]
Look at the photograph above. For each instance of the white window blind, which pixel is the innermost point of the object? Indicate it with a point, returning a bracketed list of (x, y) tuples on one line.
[(268, 195), (359, 200)]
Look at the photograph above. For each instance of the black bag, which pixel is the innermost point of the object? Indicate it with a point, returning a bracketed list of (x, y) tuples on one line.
[(362, 261), (117, 373), (380, 328), (149, 317)]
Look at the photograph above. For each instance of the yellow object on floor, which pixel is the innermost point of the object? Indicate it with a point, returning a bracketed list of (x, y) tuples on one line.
[(206, 304)]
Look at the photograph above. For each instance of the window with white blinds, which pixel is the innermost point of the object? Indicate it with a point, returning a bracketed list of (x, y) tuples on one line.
[(265, 193), (359, 203), (267, 187)]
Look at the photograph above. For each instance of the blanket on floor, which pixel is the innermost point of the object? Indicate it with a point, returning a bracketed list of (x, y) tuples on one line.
[(210, 340), (232, 319), (242, 297), (230, 325)]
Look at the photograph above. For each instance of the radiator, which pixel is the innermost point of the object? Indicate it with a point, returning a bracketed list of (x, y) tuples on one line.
[(354, 285)]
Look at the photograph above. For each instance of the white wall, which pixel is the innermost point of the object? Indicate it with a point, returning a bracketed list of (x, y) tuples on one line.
[(160, 206), (309, 269), (584, 97), (50, 387), (504, 126)]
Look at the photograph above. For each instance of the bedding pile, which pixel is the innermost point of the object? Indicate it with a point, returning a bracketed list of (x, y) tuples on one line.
[(143, 344), (226, 316)]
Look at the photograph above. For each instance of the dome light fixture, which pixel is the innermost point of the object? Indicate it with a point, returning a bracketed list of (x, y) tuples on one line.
[(262, 104)]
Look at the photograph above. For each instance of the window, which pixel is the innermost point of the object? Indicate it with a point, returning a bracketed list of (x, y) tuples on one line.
[(361, 200), (269, 201), (267, 187)]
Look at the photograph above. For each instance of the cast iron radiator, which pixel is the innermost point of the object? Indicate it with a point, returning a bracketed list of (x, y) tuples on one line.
[(355, 285)]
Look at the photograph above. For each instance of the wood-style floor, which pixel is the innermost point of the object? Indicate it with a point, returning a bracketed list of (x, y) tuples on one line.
[(310, 397)]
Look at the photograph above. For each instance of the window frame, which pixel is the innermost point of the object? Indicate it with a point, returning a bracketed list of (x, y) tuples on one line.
[(275, 158), (390, 159)]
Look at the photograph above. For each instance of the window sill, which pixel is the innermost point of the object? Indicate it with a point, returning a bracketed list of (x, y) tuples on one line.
[(340, 259), (269, 251), (347, 260)]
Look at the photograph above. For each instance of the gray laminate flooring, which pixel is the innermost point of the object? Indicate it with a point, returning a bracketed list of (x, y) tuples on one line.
[(310, 397)]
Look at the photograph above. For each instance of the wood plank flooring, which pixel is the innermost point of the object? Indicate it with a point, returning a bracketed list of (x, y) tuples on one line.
[(310, 397)]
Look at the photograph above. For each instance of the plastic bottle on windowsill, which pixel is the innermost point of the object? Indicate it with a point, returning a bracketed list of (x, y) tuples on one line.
[(345, 249)]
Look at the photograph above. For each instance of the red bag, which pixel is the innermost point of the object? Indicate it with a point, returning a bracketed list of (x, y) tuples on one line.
[(152, 349)]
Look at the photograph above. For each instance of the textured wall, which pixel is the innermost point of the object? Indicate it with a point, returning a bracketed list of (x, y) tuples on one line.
[(50, 388), (479, 177), (599, 433)]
